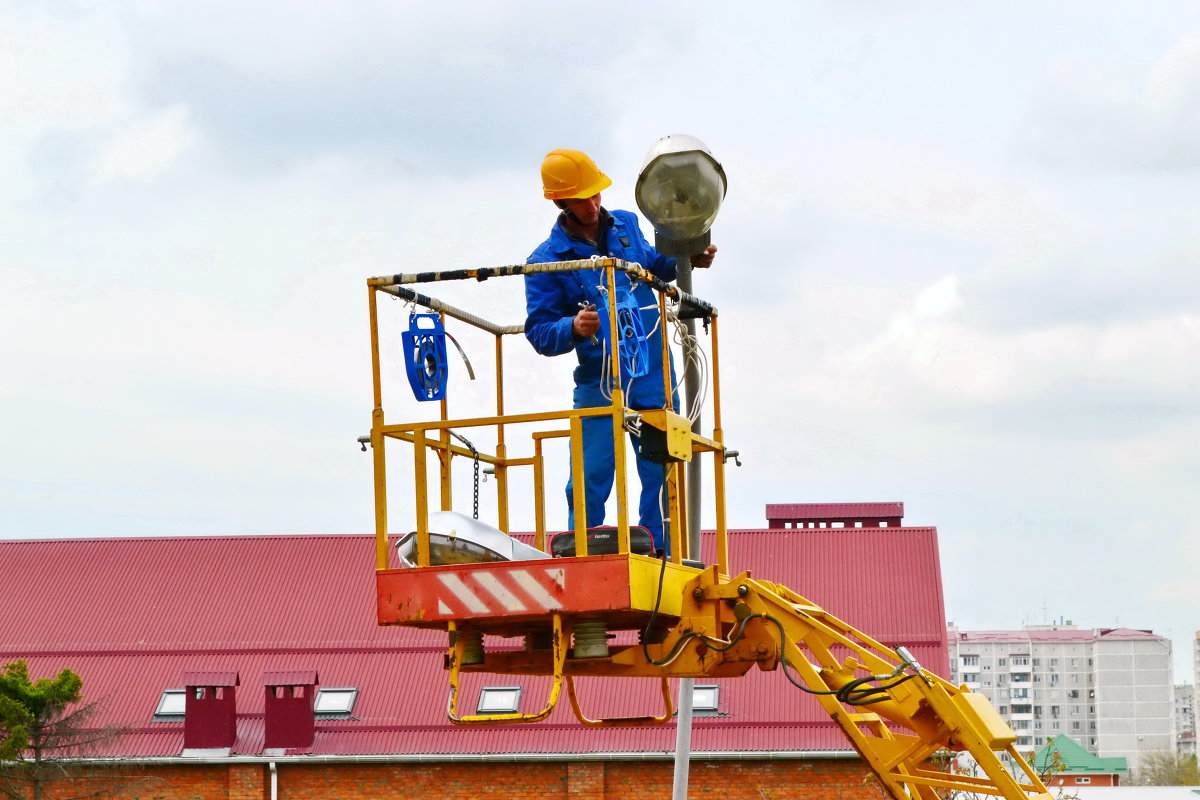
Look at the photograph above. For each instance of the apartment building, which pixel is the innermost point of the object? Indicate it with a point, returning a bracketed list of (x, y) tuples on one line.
[(1185, 719), (1110, 689)]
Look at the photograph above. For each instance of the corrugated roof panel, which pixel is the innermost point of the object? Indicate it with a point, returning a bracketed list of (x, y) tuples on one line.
[(886, 582), (198, 592)]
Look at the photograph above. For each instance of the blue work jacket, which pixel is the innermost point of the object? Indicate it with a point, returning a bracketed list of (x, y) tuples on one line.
[(552, 298)]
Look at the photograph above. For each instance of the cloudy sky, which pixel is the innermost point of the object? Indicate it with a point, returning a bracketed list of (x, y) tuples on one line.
[(958, 261)]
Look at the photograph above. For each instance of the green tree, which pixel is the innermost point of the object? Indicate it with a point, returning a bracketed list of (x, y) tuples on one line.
[(46, 736), (1167, 768)]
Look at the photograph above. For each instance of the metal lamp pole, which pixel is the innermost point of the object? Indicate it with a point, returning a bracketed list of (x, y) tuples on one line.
[(680, 189)]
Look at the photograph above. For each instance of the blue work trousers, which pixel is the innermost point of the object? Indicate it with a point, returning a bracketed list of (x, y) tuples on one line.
[(599, 468)]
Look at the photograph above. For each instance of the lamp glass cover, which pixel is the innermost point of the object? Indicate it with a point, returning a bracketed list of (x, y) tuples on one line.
[(680, 193)]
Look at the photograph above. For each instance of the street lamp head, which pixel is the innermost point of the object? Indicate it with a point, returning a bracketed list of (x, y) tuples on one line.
[(679, 190)]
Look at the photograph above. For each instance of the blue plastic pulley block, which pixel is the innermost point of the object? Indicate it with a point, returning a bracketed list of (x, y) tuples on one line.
[(632, 346), (425, 356)]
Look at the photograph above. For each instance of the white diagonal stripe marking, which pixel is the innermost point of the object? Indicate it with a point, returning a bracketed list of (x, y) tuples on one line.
[(497, 590), (535, 589), (460, 590)]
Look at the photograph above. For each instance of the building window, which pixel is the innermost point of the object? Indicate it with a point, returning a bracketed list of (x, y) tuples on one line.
[(499, 699), (1003, 709), (1073, 694), (705, 700), (335, 703), (970, 661), (170, 706), (1083, 780), (1002, 662), (971, 677), (1076, 726), (1055, 726)]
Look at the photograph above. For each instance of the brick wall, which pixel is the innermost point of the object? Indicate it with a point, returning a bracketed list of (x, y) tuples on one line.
[(793, 779)]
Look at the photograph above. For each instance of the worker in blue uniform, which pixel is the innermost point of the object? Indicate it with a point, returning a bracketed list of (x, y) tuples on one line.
[(562, 316)]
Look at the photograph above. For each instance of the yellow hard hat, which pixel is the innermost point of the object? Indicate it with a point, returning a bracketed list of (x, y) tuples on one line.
[(569, 174)]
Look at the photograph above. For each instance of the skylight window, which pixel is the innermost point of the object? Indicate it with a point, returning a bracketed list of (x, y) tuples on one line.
[(335, 702), (705, 699), (499, 699), (171, 705)]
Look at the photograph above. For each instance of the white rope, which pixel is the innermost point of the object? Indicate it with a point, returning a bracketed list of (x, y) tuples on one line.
[(692, 355)]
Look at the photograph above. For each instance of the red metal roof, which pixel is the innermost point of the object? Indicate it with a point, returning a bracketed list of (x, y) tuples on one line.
[(131, 616)]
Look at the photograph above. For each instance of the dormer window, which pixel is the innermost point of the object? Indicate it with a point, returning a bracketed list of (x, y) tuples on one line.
[(171, 706), (335, 702), (705, 700), (499, 699)]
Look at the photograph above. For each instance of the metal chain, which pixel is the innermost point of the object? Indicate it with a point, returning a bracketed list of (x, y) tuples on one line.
[(476, 509), (475, 454)]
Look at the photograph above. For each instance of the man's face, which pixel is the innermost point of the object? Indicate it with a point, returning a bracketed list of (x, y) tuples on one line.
[(584, 209)]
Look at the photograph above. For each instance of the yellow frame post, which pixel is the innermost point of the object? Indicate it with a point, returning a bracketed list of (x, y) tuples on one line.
[(722, 532), (618, 417), (501, 450), (378, 461)]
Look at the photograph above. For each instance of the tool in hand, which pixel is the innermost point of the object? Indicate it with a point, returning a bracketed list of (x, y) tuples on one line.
[(589, 307)]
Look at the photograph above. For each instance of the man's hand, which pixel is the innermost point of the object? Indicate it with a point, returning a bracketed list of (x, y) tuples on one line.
[(586, 323), (704, 260)]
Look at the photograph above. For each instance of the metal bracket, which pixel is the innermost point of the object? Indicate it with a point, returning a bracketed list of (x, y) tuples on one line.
[(614, 722), (455, 658)]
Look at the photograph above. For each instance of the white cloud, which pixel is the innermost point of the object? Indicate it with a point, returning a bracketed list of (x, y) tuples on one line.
[(61, 74), (938, 299), (143, 148), (1097, 116), (1173, 86)]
